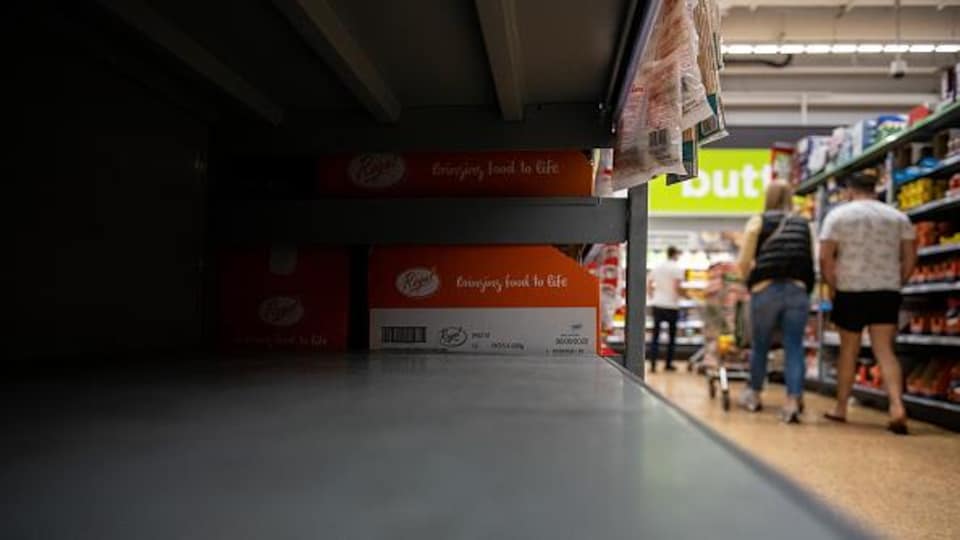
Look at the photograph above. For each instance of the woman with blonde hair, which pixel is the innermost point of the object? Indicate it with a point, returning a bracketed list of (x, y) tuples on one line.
[(777, 260)]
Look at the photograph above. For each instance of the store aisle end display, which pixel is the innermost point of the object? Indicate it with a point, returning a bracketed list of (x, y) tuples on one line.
[(917, 158)]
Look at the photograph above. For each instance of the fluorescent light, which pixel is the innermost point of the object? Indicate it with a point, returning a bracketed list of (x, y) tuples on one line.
[(739, 49), (792, 49), (844, 48), (839, 48), (817, 49), (766, 49)]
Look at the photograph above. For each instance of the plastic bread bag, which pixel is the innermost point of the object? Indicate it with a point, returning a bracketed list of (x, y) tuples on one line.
[(677, 39)]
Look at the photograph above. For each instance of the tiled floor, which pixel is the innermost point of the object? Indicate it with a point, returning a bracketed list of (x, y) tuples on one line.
[(899, 487)]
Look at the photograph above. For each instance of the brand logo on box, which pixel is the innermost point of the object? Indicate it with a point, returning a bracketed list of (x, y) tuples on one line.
[(418, 282), (376, 171), (453, 336), (281, 311)]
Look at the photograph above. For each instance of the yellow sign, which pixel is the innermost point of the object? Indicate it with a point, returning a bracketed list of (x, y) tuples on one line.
[(731, 182)]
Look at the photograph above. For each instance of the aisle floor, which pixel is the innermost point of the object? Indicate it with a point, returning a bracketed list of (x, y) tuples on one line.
[(899, 487)]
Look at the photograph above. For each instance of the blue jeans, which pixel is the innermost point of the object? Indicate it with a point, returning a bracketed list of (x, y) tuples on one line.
[(784, 305)]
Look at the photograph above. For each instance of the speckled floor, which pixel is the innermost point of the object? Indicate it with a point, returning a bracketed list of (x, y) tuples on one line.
[(899, 487)]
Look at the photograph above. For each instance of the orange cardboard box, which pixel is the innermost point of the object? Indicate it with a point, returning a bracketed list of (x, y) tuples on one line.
[(282, 298), (464, 174), (486, 299)]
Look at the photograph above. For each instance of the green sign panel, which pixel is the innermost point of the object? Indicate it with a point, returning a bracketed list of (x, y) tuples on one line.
[(731, 182)]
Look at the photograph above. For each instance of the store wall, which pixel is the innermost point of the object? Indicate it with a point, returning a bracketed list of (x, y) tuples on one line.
[(107, 221)]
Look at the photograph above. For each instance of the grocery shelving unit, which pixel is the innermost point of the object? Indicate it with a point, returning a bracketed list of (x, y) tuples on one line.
[(937, 411), (876, 153), (160, 98)]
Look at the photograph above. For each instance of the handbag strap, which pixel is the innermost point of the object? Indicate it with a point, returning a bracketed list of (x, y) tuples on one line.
[(776, 232)]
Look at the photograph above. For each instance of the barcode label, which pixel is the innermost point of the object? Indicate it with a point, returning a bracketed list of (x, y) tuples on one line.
[(659, 137), (403, 334)]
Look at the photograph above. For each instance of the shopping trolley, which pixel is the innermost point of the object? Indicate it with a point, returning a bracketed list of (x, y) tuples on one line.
[(722, 359)]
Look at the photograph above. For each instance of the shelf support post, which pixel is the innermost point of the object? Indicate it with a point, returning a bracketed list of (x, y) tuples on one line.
[(635, 323)]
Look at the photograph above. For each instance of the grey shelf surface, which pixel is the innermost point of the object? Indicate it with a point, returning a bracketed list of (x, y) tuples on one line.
[(941, 249), (832, 339), (518, 220), (939, 341), (937, 411), (380, 446), (934, 209), (930, 288)]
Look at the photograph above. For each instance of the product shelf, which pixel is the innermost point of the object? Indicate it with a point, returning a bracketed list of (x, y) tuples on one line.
[(878, 151), (313, 430), (686, 341), (517, 220), (931, 288), (937, 411), (936, 341), (940, 249), (832, 339), (934, 209), (649, 325), (947, 166)]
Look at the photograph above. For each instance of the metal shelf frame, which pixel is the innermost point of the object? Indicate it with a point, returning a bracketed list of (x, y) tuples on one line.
[(385, 124), (933, 341), (942, 249), (559, 220), (936, 411), (520, 220), (934, 208), (931, 288), (876, 153)]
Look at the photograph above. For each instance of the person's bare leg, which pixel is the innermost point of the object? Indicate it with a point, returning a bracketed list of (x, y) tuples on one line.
[(881, 338), (846, 367)]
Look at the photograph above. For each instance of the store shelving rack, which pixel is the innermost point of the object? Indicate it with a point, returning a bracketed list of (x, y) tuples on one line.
[(512, 220), (936, 411), (130, 110), (925, 128), (480, 91)]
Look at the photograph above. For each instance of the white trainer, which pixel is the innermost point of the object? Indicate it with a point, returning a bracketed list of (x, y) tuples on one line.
[(750, 400)]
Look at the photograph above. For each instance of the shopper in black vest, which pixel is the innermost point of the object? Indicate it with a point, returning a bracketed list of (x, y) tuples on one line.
[(777, 258)]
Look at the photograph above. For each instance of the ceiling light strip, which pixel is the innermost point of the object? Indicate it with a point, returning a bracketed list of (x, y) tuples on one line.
[(839, 48)]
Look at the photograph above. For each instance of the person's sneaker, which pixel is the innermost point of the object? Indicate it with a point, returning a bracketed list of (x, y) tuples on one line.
[(750, 400), (670, 367), (790, 415)]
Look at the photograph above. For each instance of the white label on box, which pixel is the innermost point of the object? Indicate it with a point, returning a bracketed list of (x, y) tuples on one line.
[(568, 331)]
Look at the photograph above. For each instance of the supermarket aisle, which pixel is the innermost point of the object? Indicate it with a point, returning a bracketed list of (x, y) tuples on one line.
[(901, 487)]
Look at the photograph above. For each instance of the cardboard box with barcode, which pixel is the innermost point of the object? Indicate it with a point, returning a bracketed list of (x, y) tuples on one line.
[(284, 298), (565, 173), (488, 299)]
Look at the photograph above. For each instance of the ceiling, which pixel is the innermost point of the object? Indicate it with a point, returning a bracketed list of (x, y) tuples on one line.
[(827, 89)]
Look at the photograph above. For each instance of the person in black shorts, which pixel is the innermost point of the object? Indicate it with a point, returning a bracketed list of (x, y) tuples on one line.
[(867, 252)]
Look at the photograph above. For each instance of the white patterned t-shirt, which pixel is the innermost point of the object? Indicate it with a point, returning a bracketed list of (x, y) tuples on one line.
[(868, 234)]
